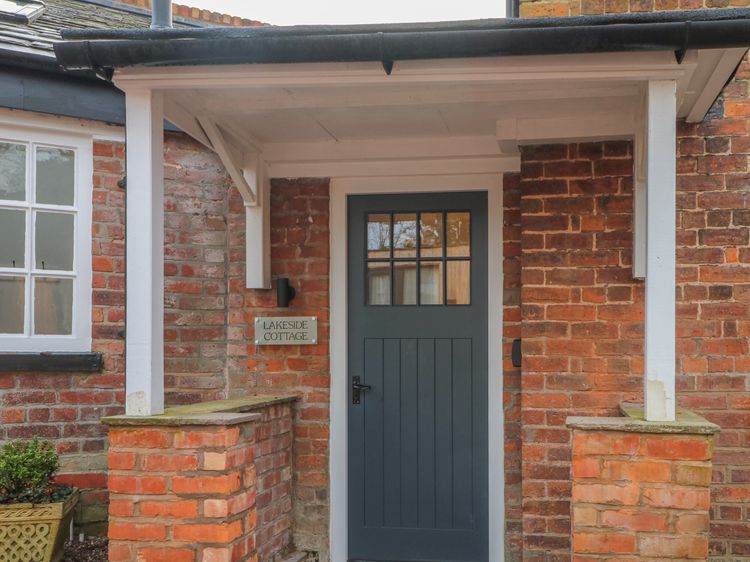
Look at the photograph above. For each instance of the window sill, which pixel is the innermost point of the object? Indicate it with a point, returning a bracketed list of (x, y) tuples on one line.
[(51, 362)]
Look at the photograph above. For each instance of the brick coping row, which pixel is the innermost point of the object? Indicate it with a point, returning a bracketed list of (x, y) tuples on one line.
[(216, 412), (633, 421)]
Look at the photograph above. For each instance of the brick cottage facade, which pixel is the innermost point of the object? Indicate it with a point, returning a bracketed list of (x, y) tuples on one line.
[(571, 491)]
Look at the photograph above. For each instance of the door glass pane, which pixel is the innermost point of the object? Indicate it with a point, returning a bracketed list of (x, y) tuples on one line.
[(405, 236), (54, 241), (12, 298), (405, 282), (12, 171), (431, 234), (379, 283), (459, 282), (458, 234), (12, 238), (53, 306), (378, 236), (431, 282), (55, 176)]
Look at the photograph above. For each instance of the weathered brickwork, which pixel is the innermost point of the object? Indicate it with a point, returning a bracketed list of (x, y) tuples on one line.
[(640, 496), (195, 268), (202, 493), (511, 374), (273, 469), (582, 313), (300, 251), (197, 14), (562, 8), (582, 318), (713, 291)]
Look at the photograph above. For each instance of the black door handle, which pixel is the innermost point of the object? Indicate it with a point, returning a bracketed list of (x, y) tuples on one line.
[(357, 389)]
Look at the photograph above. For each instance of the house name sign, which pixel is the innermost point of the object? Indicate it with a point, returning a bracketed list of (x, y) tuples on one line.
[(286, 330)]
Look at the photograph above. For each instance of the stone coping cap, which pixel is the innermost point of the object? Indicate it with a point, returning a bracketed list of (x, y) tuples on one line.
[(633, 421), (216, 412)]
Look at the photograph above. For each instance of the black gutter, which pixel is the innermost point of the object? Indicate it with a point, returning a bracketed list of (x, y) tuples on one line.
[(295, 45), (43, 63)]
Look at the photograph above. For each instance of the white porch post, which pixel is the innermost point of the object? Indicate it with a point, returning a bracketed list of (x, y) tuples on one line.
[(144, 336), (660, 348)]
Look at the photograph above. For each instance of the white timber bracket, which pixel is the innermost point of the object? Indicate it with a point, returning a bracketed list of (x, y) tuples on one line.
[(248, 171), (658, 168)]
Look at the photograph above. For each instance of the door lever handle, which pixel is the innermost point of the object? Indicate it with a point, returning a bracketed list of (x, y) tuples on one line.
[(357, 389)]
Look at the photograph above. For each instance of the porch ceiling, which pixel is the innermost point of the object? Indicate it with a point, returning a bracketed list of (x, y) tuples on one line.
[(321, 118)]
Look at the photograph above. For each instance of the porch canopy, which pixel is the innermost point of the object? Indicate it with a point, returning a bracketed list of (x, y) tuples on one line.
[(411, 99)]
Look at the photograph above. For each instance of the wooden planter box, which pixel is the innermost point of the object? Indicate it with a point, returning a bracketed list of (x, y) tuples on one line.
[(35, 532)]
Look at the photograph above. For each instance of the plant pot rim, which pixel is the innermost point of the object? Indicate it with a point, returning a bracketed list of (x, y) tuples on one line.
[(67, 503)]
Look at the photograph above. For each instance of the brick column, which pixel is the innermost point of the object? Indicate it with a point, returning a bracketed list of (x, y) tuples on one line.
[(209, 482), (641, 490)]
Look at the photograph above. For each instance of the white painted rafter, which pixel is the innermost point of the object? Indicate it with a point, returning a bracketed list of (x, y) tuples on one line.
[(241, 164)]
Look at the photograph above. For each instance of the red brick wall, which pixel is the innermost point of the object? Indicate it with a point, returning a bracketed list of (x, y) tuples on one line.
[(511, 374), (273, 477), (640, 496), (581, 318), (195, 268), (300, 251), (194, 493), (582, 312), (713, 292)]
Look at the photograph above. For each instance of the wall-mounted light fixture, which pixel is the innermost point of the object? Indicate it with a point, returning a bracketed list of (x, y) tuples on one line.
[(284, 292)]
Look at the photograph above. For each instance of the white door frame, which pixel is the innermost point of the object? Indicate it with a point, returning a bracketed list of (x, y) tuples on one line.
[(338, 459)]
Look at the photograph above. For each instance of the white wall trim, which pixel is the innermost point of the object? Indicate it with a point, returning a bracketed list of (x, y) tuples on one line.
[(338, 459)]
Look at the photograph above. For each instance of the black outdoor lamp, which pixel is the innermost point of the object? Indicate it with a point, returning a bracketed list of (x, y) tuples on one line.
[(284, 292)]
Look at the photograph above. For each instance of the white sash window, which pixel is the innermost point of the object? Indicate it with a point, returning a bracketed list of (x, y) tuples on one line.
[(45, 241)]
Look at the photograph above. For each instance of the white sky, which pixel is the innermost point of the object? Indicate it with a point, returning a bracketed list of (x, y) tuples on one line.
[(291, 12)]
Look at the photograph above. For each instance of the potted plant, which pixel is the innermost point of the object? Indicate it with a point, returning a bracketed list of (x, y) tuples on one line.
[(35, 512)]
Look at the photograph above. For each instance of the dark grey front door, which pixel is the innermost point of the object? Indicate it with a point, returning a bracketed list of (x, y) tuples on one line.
[(417, 293)]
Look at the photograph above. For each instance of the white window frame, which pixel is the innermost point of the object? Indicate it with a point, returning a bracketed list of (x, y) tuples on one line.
[(82, 145)]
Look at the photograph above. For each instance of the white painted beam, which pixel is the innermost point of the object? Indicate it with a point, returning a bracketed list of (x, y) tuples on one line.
[(395, 167), (640, 156), (660, 348), (573, 128), (144, 336), (258, 235), (381, 149)]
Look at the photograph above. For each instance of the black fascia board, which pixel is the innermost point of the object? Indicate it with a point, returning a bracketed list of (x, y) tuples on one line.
[(308, 44)]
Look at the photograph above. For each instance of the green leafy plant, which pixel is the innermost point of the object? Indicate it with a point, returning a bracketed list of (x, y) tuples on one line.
[(27, 469)]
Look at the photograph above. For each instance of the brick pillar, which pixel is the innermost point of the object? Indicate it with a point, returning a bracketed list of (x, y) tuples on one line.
[(190, 485), (641, 490)]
